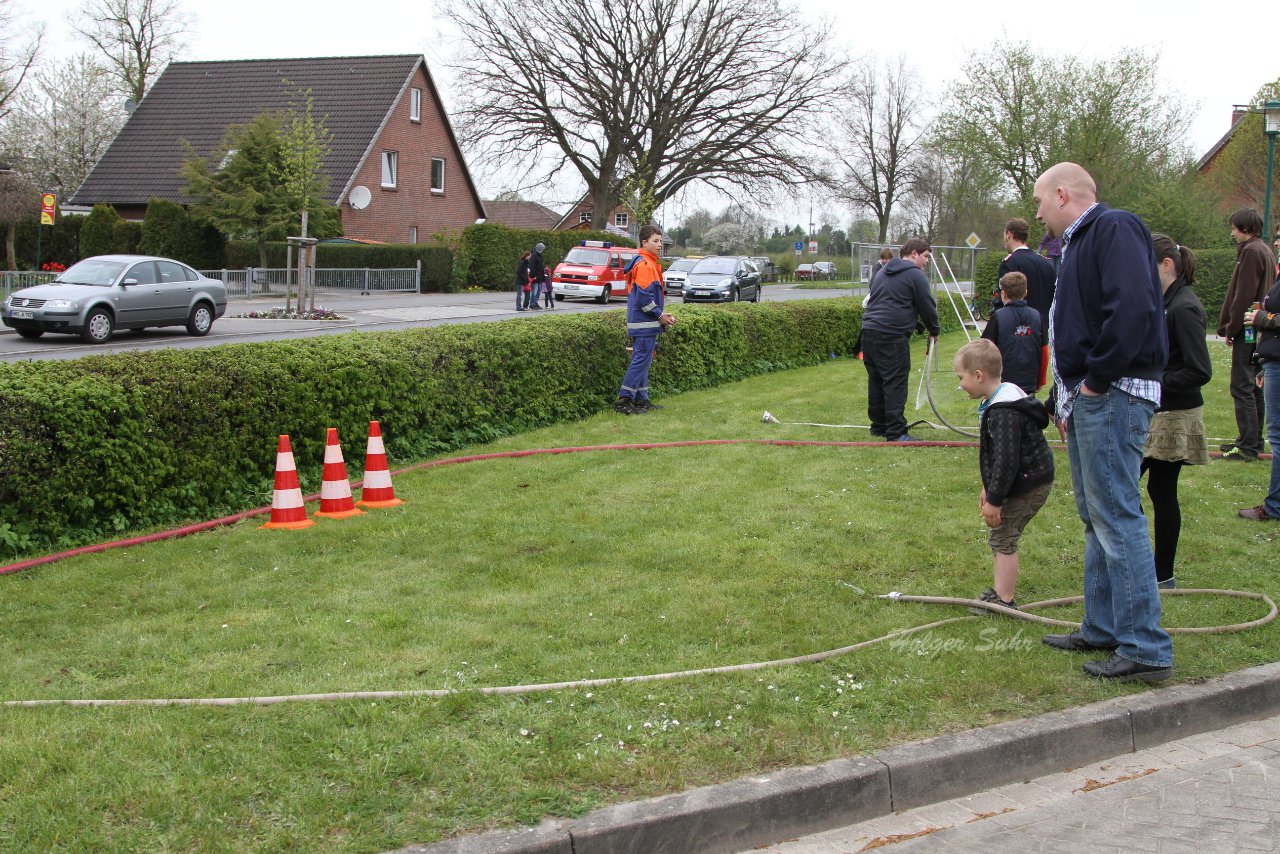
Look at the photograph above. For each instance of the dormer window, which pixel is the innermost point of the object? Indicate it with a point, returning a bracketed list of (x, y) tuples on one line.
[(415, 105)]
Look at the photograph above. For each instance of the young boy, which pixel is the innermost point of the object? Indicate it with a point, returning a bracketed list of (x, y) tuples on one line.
[(646, 318), (1013, 457), (1019, 331)]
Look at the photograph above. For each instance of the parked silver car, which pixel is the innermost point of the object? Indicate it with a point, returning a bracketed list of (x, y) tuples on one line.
[(99, 295), (675, 275), (723, 278)]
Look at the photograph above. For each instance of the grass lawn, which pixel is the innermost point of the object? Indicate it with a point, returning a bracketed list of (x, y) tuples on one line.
[(558, 567)]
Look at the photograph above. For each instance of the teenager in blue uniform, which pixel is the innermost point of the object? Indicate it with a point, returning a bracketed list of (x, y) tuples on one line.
[(646, 319)]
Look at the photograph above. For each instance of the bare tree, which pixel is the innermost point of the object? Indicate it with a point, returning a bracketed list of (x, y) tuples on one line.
[(18, 49), (62, 123), (879, 137), (655, 93), (137, 38)]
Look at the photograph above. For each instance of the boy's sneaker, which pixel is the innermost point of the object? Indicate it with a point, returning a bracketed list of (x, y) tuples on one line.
[(990, 595), (625, 406)]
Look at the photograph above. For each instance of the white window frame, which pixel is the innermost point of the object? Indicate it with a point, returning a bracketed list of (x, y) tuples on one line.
[(413, 234), (622, 219), (415, 105), (390, 167), (434, 188), (584, 216)]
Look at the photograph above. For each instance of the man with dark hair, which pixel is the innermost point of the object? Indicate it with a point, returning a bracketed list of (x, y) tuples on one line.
[(900, 298), (537, 272), (1109, 346), (1253, 276), (646, 319), (1025, 260)]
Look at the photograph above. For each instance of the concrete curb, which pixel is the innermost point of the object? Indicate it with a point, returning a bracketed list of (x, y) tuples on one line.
[(763, 810)]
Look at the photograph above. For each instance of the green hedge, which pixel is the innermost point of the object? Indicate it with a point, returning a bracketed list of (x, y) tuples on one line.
[(488, 253), (1213, 274), (437, 260), (106, 444)]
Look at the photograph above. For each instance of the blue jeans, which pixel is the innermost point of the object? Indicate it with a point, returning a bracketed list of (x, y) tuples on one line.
[(635, 384), (1105, 435), (1271, 399)]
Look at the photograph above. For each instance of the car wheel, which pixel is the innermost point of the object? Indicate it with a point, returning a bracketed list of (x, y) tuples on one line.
[(603, 299), (98, 327), (30, 333), (756, 298), (200, 320)]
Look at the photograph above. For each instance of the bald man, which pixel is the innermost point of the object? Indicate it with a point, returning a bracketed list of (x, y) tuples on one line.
[(1109, 347)]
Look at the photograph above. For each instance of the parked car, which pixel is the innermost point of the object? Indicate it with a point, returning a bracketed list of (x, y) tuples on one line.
[(723, 278), (99, 295), (673, 278), (765, 265), (824, 270)]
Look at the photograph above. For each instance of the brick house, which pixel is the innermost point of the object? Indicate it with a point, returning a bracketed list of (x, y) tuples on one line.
[(580, 216), (394, 166), (517, 213)]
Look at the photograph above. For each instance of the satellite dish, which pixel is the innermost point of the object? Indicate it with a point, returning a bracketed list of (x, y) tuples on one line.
[(359, 197)]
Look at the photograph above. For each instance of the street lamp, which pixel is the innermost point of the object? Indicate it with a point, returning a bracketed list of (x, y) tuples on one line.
[(1271, 127)]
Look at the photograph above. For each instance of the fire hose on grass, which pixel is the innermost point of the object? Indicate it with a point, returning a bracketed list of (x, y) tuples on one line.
[(811, 658)]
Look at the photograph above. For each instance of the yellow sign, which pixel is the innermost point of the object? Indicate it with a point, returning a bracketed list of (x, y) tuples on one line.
[(48, 208), (973, 240)]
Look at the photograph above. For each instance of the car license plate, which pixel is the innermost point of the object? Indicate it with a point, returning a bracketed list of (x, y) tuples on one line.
[(570, 287), (22, 315)]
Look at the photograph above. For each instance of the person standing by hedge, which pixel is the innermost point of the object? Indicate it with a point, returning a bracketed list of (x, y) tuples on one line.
[(1253, 276), (1266, 321), (646, 319), (522, 281)]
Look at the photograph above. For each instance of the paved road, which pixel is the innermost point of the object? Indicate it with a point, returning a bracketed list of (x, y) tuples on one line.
[(1214, 792), (362, 313)]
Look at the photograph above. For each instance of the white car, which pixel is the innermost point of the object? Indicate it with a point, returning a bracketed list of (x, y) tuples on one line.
[(99, 295), (674, 278)]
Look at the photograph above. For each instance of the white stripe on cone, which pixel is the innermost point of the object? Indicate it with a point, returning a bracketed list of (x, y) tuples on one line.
[(331, 489), (377, 479)]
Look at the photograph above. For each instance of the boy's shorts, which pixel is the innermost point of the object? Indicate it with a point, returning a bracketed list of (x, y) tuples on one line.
[(1015, 513)]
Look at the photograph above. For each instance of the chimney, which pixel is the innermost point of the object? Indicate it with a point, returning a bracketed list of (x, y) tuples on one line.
[(1237, 113)]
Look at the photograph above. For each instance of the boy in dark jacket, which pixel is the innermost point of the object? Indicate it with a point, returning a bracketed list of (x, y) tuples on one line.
[(1013, 458), (1019, 331)]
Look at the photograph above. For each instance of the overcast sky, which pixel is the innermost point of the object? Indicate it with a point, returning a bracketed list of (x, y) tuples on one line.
[(1205, 59)]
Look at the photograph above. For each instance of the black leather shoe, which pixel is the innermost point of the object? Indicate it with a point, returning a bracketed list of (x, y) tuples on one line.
[(1123, 670), (1074, 642)]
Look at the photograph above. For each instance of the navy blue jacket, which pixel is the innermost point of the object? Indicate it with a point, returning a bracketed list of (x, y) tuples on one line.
[(1019, 333), (899, 295), (1108, 314), (1040, 278)]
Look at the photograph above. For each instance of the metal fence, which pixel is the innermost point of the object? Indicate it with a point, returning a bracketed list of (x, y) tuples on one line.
[(262, 281), (267, 281), (16, 280)]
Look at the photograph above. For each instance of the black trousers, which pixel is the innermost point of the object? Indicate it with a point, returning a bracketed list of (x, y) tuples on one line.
[(1162, 489), (1247, 397), (888, 360)]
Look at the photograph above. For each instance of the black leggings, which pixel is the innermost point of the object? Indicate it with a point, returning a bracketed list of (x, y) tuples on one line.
[(1162, 487)]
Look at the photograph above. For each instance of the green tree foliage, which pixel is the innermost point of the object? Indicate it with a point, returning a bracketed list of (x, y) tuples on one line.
[(19, 202), (97, 235), (254, 187), (168, 230), (1021, 112), (304, 144), (1238, 174)]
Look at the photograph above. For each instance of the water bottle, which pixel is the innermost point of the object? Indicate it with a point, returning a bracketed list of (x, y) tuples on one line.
[(1249, 333)]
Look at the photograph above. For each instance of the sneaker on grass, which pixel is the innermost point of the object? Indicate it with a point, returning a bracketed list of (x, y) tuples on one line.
[(990, 595)]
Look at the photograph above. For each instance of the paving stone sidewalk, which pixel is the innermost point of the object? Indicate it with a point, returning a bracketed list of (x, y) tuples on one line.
[(1214, 792)]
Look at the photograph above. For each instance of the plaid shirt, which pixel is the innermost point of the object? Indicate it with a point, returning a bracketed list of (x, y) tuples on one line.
[(1066, 398)]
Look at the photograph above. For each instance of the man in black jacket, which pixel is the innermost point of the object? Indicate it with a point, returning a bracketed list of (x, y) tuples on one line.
[(1025, 260), (900, 298)]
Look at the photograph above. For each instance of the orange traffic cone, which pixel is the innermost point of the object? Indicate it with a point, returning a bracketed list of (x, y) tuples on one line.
[(335, 489), (378, 491), (287, 509)]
